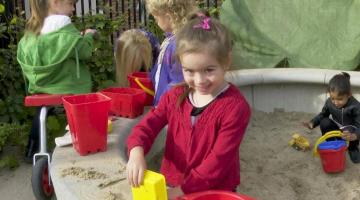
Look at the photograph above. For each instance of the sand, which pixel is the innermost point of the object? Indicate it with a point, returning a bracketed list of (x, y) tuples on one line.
[(270, 169)]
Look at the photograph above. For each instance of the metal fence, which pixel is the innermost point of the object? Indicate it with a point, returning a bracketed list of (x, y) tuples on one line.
[(134, 10)]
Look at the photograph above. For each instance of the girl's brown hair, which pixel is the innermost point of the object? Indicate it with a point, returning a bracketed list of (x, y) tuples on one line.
[(178, 10), (132, 52), (203, 34), (39, 11)]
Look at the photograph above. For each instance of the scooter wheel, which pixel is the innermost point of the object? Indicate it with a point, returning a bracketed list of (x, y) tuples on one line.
[(42, 189)]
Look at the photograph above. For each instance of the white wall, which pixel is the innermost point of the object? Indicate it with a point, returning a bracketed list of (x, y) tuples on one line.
[(290, 89)]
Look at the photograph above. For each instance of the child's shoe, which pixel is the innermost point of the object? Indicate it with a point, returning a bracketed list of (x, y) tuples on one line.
[(354, 155), (64, 140)]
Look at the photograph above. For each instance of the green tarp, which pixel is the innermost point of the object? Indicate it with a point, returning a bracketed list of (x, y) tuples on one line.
[(308, 33)]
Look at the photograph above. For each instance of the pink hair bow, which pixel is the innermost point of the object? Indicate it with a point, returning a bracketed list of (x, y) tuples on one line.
[(205, 24)]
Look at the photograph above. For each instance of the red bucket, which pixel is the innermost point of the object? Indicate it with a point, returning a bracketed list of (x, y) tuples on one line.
[(87, 115), (126, 102), (332, 155), (215, 195), (141, 80)]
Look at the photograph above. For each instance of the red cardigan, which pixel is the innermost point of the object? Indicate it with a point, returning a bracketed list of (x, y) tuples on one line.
[(200, 157)]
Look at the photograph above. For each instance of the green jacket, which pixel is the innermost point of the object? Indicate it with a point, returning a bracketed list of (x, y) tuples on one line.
[(53, 63)]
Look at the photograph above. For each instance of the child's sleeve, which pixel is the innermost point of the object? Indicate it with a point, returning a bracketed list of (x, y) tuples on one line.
[(155, 45), (175, 69), (356, 114), (208, 174), (323, 114), (146, 131), (171, 72), (175, 75), (85, 46)]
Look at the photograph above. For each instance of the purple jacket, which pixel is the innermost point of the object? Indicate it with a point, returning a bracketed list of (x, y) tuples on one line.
[(155, 46), (171, 72)]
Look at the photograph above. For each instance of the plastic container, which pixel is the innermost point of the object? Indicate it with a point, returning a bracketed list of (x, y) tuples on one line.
[(141, 80), (126, 102), (215, 195), (332, 155), (87, 115), (153, 187)]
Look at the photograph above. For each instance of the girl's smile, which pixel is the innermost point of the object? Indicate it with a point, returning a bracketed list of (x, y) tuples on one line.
[(203, 72)]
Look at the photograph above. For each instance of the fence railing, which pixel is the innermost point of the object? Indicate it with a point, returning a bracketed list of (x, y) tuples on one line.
[(134, 10)]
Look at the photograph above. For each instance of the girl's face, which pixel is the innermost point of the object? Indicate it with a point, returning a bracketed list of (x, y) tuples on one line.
[(339, 100), (164, 22), (203, 73), (62, 7)]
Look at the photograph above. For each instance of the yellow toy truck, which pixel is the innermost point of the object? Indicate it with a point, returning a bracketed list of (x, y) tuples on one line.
[(299, 142)]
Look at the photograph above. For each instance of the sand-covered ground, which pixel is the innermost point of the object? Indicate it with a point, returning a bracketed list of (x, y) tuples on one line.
[(270, 169)]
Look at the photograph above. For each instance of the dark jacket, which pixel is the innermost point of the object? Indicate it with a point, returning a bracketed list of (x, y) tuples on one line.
[(348, 115)]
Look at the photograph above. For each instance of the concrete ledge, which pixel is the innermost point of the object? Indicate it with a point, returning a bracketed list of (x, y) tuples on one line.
[(286, 75), (289, 89)]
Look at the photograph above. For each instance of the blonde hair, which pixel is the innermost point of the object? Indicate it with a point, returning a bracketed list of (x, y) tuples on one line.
[(196, 37), (178, 10), (132, 52), (39, 11)]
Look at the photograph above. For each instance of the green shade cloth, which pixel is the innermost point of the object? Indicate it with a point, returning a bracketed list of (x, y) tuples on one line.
[(308, 33)]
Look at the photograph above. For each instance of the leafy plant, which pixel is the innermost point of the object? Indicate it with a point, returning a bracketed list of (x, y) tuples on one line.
[(9, 161), (12, 135), (56, 128), (102, 65), (3, 137), (12, 90)]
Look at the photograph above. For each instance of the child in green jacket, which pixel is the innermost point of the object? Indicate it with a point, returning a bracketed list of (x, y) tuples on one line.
[(52, 54)]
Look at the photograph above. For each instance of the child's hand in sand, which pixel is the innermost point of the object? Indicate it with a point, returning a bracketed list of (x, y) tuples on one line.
[(136, 166), (349, 136), (308, 125)]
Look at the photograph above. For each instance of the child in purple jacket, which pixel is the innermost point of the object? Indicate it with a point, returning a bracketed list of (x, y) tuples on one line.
[(170, 17)]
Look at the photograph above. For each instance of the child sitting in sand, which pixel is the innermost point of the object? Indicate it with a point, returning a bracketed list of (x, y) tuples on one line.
[(340, 109)]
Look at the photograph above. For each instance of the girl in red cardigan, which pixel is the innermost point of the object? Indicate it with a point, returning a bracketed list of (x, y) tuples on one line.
[(206, 117)]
